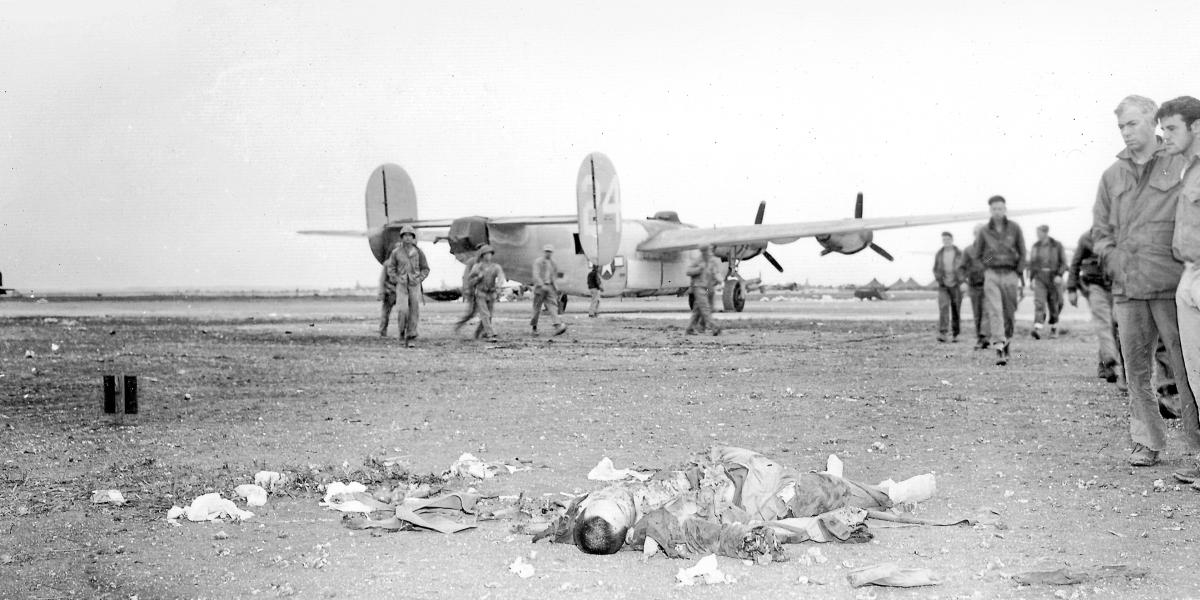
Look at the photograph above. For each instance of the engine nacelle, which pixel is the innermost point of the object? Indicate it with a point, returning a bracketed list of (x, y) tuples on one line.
[(845, 243), (466, 234)]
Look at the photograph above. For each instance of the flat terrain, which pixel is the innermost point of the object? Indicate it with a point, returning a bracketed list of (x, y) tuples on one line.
[(229, 387)]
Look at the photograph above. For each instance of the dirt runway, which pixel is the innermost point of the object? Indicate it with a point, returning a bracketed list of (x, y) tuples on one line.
[(305, 386)]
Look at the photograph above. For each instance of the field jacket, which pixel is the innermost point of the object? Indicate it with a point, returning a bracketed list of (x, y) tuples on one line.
[(1085, 267), (955, 276), (1186, 241), (1001, 247), (407, 267), (1133, 223), (973, 268), (1047, 260)]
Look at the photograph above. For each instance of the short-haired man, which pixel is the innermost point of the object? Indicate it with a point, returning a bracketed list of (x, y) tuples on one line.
[(545, 290), (1133, 221), (1047, 263), (974, 270), (1179, 120), (408, 267), (1001, 247), (948, 273)]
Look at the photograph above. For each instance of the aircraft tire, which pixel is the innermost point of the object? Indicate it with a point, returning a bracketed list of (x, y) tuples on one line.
[(734, 297)]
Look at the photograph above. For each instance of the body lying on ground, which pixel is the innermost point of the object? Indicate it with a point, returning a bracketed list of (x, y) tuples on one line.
[(734, 502)]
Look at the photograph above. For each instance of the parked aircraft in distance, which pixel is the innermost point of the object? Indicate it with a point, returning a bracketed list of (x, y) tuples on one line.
[(644, 257)]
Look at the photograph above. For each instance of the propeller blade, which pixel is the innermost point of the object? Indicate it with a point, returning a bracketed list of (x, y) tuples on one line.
[(881, 251), (762, 208), (858, 207), (771, 259)]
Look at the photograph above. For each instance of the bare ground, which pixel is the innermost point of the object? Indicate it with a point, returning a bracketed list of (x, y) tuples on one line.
[(305, 386)]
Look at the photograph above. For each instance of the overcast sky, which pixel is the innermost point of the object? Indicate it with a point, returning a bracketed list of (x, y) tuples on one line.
[(181, 145)]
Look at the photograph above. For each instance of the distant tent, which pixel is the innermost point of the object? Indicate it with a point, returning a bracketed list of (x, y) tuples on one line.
[(874, 284), (899, 285)]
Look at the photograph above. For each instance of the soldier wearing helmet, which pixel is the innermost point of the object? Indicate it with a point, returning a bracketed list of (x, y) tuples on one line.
[(407, 268), (485, 279)]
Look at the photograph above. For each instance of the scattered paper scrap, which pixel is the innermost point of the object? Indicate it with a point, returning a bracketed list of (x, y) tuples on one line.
[(468, 465), (268, 479), (209, 507), (254, 495), (605, 471), (108, 497), (338, 488), (523, 569), (705, 571)]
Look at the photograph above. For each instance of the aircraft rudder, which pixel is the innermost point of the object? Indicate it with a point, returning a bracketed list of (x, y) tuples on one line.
[(390, 196)]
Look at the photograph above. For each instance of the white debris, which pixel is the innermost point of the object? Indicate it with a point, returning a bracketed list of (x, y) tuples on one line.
[(911, 490), (468, 465), (523, 569), (54, 347), (705, 570), (605, 471), (108, 497), (833, 465), (265, 479), (209, 507), (338, 488), (254, 495)]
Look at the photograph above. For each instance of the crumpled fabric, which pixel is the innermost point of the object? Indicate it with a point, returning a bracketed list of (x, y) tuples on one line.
[(845, 524), (209, 507), (892, 575), (691, 535), (421, 514)]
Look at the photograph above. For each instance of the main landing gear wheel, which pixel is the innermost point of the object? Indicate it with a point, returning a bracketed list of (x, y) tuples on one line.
[(734, 297)]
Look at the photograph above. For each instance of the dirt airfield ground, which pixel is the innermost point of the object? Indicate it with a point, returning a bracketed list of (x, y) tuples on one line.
[(305, 386)]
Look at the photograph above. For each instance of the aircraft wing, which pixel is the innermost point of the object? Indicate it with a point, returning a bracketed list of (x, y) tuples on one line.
[(432, 230), (671, 240)]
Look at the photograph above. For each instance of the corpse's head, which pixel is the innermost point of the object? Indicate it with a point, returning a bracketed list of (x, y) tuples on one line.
[(603, 523)]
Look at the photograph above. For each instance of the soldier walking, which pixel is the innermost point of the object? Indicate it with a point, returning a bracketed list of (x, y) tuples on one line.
[(545, 291), (704, 280), (408, 267)]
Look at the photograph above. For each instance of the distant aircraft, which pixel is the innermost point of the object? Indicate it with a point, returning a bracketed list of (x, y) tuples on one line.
[(645, 257), (4, 290)]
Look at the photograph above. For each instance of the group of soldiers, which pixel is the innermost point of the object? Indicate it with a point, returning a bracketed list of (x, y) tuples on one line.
[(406, 268), (1138, 266), (999, 249)]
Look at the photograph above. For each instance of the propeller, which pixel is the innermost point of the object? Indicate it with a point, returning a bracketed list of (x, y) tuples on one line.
[(758, 219), (858, 213), (881, 251)]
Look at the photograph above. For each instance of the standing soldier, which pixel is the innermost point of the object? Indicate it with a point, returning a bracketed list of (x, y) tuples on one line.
[(545, 292), (948, 273), (973, 270), (408, 267), (1087, 277), (1179, 120), (1047, 263), (1001, 247), (593, 283), (704, 280), (1133, 220), (485, 279), (387, 294)]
